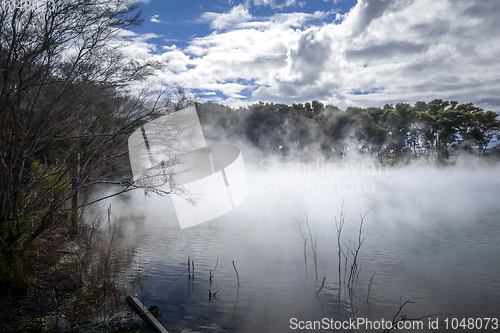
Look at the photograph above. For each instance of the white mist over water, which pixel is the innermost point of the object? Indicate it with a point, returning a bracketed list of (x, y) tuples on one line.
[(431, 236)]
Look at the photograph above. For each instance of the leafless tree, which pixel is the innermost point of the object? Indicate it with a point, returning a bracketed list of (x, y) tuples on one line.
[(65, 110)]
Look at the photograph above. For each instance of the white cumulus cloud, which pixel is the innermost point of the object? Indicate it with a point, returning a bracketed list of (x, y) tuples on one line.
[(223, 21), (379, 52), (155, 19)]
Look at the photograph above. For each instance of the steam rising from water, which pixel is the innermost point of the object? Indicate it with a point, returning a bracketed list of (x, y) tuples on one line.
[(430, 236)]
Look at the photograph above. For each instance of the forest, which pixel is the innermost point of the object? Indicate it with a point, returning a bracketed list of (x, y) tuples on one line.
[(432, 130), (67, 111)]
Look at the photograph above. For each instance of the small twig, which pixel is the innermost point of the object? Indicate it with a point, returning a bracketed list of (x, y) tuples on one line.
[(340, 226), (237, 276), (404, 318), (322, 285), (305, 245), (313, 248), (237, 291), (212, 274), (370, 286), (399, 311)]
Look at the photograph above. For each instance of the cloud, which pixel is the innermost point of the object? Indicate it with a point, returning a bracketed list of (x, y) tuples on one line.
[(239, 17), (298, 20), (223, 21), (140, 47), (416, 50), (423, 54), (308, 60), (365, 12), (262, 2), (273, 4), (155, 19), (386, 51)]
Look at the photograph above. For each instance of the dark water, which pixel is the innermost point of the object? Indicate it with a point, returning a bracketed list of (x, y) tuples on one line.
[(430, 236)]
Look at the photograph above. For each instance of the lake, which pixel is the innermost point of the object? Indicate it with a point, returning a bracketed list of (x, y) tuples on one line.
[(430, 235)]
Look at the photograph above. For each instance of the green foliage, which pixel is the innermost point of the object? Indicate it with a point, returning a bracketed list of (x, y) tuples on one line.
[(436, 126), (49, 178), (421, 106), (64, 117), (436, 105), (317, 107)]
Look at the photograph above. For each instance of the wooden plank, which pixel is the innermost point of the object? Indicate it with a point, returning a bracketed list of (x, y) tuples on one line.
[(145, 314)]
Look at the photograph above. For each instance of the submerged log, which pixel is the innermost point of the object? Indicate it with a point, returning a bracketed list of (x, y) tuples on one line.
[(141, 310)]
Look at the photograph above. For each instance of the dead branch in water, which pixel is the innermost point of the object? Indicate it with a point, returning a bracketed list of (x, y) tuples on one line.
[(340, 225), (237, 291), (404, 317), (237, 276), (370, 286), (314, 247), (212, 274), (355, 270), (305, 245), (322, 285)]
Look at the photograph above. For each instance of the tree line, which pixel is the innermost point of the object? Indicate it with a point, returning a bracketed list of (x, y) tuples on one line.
[(394, 131)]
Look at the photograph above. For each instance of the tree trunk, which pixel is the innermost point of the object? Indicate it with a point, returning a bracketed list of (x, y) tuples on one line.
[(75, 199)]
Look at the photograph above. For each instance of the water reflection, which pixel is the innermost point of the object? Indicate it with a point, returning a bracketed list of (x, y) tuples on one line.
[(444, 263)]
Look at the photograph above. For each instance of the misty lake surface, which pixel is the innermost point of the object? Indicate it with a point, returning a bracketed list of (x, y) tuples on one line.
[(430, 235)]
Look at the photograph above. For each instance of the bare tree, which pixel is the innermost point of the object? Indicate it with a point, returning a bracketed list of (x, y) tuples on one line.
[(64, 108)]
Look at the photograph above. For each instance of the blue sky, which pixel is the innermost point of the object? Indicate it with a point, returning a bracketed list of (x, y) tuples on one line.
[(343, 52), (180, 21)]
